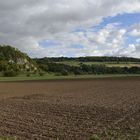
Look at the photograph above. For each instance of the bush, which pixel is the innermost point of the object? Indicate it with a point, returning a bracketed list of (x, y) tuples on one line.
[(28, 74), (9, 73), (41, 74), (58, 74), (78, 71), (64, 72)]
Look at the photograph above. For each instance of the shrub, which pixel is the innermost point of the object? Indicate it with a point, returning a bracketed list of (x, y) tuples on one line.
[(58, 74), (9, 73), (64, 72), (28, 74), (41, 74)]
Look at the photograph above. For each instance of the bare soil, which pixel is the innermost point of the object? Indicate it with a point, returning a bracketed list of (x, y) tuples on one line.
[(71, 109)]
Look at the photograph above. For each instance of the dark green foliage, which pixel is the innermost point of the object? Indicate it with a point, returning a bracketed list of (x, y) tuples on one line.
[(64, 72), (78, 71), (41, 73), (28, 74), (54, 65), (87, 69), (8, 52), (14, 61), (89, 59), (10, 73)]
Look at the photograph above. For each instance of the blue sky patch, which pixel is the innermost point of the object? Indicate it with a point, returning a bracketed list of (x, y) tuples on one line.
[(125, 20), (48, 43)]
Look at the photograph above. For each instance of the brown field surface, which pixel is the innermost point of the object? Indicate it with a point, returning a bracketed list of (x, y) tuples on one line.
[(71, 109)]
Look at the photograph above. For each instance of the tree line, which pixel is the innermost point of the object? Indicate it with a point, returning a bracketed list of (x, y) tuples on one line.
[(90, 59), (64, 69)]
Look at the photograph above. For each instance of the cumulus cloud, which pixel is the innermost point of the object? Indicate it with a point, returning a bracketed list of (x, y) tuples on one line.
[(24, 24), (135, 33), (135, 30), (106, 41)]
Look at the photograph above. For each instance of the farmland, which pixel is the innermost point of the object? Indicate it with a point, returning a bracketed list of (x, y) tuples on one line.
[(71, 109), (108, 64)]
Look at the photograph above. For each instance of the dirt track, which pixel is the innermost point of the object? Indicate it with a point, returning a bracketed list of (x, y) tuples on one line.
[(70, 109)]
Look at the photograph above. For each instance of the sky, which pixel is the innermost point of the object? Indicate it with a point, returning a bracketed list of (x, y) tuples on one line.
[(71, 28)]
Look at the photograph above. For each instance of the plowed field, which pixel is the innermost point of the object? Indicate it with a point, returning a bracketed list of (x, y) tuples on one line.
[(71, 109)]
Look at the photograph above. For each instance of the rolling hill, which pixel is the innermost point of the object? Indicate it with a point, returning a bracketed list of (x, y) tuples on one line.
[(11, 59)]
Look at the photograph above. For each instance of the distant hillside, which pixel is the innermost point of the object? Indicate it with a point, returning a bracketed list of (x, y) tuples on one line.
[(90, 65), (12, 59), (13, 62), (90, 59)]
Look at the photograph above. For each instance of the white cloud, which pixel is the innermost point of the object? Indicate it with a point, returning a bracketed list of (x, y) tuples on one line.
[(24, 24), (107, 41), (127, 51), (135, 33), (135, 30), (136, 51)]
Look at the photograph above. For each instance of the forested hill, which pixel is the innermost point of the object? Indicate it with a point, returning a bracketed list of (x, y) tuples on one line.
[(90, 65), (90, 59), (12, 59)]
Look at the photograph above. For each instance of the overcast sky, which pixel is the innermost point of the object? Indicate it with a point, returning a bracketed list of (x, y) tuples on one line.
[(50, 28)]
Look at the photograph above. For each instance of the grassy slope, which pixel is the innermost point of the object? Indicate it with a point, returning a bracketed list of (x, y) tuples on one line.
[(54, 77)]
